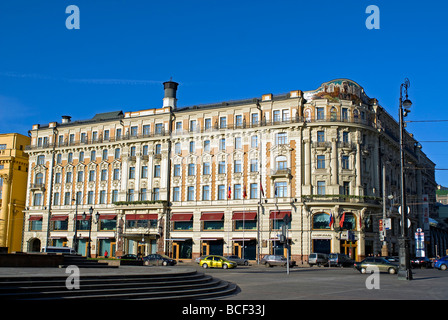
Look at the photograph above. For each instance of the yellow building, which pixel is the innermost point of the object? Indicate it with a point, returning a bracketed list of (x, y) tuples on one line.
[(13, 179)]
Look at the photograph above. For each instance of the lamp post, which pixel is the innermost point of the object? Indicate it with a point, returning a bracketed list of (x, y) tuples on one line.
[(404, 270), (75, 236), (97, 217)]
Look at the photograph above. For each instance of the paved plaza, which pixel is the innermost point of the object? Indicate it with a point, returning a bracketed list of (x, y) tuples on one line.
[(317, 283)]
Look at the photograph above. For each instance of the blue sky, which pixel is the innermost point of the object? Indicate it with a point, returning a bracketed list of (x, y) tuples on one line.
[(217, 51)]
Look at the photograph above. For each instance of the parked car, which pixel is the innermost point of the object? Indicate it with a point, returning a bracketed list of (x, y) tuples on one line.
[(159, 259), (340, 260), (239, 261), (130, 256), (382, 264), (217, 262), (319, 259), (276, 260), (63, 250), (421, 263), (441, 263), (393, 259)]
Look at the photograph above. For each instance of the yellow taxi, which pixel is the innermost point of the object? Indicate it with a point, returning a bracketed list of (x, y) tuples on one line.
[(216, 262)]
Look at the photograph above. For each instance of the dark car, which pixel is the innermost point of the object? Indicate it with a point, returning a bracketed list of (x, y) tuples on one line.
[(421, 263), (340, 260), (271, 260), (130, 256), (159, 259), (382, 264), (238, 260)]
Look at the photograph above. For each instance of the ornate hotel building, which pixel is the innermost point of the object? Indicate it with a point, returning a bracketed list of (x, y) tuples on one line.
[(227, 178)]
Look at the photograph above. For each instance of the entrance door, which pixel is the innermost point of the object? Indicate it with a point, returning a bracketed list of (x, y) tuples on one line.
[(237, 249), (175, 253), (205, 249), (349, 248)]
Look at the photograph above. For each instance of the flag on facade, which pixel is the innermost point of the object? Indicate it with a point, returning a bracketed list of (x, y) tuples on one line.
[(341, 222), (261, 189), (331, 219), (244, 192), (229, 193)]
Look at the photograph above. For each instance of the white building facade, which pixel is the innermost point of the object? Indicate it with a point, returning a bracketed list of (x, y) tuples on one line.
[(221, 178)]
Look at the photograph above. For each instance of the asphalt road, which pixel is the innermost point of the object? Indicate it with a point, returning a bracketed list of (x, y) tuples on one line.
[(319, 283)]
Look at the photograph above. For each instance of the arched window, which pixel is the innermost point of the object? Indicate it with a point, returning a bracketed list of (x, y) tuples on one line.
[(321, 221), (348, 221), (39, 178), (307, 115), (333, 114)]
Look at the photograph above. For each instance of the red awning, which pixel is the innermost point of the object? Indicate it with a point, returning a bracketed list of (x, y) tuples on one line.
[(279, 215), (108, 216), (59, 217), (244, 215), (81, 217), (153, 216), (212, 216), (182, 217), (35, 218)]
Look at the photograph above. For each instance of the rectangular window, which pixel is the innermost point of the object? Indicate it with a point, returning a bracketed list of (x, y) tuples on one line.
[(238, 143), (321, 187), (237, 166), (144, 171), (146, 130), (177, 170), (321, 162), (208, 124), (117, 153), (253, 190), (104, 175), (205, 192), (238, 121), (253, 165), (276, 116), (254, 118), (192, 125), (281, 189), (56, 199), (320, 136), (90, 197), (222, 122), (176, 194), (114, 195), (237, 191), (130, 195), (221, 167), (106, 135), (207, 146), (131, 172), (116, 174), (190, 193), (320, 114), (155, 194), (345, 162), (80, 176), (102, 196), (157, 171), (221, 192), (67, 199), (206, 168), (143, 194), (282, 138), (57, 178), (191, 169)]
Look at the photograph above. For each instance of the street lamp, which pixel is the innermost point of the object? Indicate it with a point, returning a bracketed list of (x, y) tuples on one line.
[(404, 270), (97, 217)]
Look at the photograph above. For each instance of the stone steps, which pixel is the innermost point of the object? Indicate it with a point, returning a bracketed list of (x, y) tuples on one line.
[(177, 285)]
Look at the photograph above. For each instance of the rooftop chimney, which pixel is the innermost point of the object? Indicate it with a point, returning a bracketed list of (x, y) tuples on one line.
[(66, 119), (170, 94)]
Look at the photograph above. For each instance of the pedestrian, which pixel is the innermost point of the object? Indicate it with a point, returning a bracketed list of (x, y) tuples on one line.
[(105, 254)]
